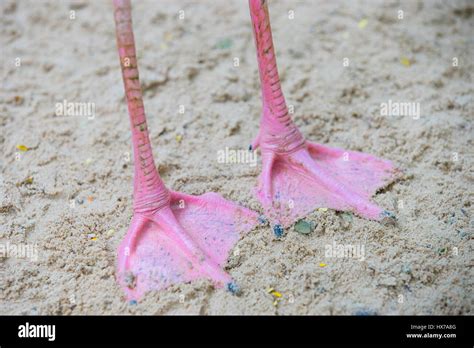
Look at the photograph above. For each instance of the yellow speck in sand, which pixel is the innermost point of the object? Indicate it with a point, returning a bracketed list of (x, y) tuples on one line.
[(405, 61), (88, 161), (276, 295), (363, 23), (322, 264), (179, 138), (27, 181), (322, 210), (92, 236), (22, 148), (110, 232)]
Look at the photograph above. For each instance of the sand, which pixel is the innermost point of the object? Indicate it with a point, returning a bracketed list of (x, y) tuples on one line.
[(69, 197)]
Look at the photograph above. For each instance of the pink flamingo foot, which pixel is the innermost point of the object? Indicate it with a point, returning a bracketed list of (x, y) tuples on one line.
[(173, 237), (187, 240), (316, 176), (299, 176)]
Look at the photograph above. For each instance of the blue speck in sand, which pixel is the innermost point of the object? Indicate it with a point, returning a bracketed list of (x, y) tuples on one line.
[(133, 302), (233, 288), (365, 312), (278, 230), (262, 220), (388, 214)]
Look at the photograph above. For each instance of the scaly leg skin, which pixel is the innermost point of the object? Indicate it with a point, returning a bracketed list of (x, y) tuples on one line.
[(173, 237), (299, 176)]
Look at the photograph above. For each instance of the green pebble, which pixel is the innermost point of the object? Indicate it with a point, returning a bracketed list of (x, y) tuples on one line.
[(224, 43), (304, 227), (406, 269), (347, 217)]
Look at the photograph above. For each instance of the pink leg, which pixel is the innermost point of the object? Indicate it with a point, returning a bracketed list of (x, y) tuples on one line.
[(173, 237), (302, 175)]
